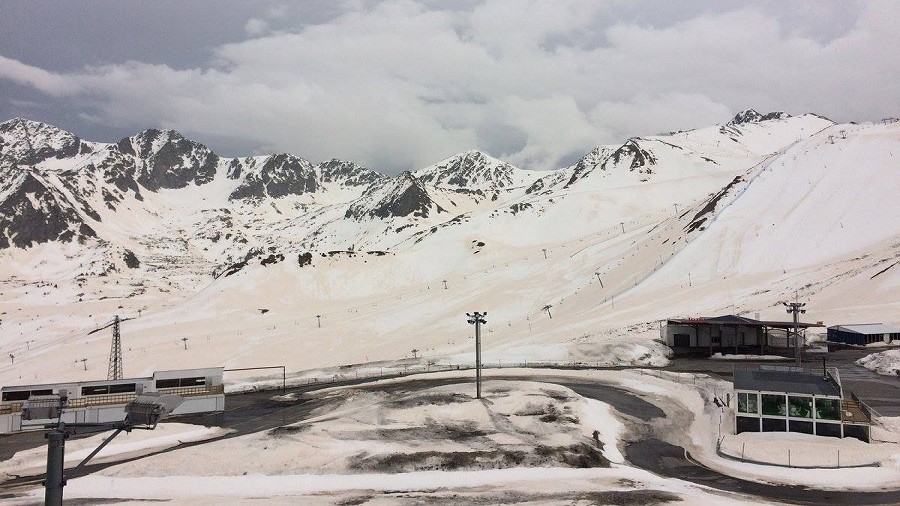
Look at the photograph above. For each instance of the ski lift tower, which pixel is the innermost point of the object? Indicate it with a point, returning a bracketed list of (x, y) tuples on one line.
[(115, 370)]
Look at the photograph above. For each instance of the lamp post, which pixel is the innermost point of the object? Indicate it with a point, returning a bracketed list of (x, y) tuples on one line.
[(477, 319)]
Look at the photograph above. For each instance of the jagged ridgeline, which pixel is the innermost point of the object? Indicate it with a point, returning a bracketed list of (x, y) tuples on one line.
[(158, 194)]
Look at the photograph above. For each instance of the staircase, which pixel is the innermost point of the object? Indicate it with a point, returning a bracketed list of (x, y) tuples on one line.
[(852, 413)]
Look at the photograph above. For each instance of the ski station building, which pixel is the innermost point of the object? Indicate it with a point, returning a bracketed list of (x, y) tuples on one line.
[(787, 399), (863, 334), (729, 334), (105, 400)]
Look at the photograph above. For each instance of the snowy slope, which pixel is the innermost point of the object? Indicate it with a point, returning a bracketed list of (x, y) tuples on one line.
[(725, 219)]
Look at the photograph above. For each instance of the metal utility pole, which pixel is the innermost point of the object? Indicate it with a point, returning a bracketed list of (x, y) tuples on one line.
[(185, 342), (55, 481), (796, 308), (676, 208), (545, 253), (84, 362), (319, 320), (115, 371), (547, 309), (477, 319), (623, 226), (598, 279), (445, 284), (414, 352), (115, 351)]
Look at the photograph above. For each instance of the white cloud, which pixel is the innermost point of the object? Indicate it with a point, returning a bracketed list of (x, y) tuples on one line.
[(47, 82), (256, 26), (398, 85)]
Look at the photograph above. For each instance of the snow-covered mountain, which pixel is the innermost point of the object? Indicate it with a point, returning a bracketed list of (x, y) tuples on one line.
[(474, 170), (739, 214)]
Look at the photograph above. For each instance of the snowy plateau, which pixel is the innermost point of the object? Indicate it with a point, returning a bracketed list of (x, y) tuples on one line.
[(335, 269)]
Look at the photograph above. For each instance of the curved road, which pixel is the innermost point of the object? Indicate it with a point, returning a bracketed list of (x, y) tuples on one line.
[(254, 412)]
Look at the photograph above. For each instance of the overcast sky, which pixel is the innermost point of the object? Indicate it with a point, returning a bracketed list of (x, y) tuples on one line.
[(399, 84)]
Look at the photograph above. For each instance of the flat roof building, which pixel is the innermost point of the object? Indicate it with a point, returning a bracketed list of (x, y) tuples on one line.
[(864, 333), (787, 399), (104, 400)]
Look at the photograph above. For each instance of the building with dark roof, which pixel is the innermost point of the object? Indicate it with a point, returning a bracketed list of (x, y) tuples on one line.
[(730, 334), (787, 399), (864, 333)]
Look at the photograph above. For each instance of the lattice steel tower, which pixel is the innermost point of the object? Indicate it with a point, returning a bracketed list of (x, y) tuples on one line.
[(115, 353)]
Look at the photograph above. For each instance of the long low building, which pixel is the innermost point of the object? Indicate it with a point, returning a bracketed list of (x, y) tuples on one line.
[(105, 400), (729, 334), (864, 333)]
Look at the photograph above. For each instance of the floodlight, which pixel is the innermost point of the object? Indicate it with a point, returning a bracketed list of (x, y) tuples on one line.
[(149, 408)]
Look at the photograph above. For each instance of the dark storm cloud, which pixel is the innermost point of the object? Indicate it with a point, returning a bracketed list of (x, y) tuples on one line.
[(398, 84)]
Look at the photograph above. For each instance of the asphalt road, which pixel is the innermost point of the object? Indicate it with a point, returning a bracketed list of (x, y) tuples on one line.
[(254, 412)]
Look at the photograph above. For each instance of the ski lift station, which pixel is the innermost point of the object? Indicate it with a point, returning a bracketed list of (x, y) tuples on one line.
[(729, 334), (105, 400)]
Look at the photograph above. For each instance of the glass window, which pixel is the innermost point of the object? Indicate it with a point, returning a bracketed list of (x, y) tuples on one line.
[(192, 382), (21, 395), (122, 388), (95, 390), (800, 407), (747, 424), (828, 409), (774, 405), (167, 383), (748, 403)]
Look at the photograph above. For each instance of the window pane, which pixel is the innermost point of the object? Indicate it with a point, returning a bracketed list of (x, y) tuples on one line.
[(800, 407), (828, 409), (747, 424), (16, 396), (167, 383), (121, 388), (747, 403), (773, 405), (192, 382), (97, 390)]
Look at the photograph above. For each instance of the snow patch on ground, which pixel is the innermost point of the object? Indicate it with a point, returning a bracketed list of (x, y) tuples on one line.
[(885, 362), (125, 445)]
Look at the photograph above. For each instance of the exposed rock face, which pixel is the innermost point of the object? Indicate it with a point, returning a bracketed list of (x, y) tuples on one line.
[(470, 170), (634, 155), (394, 198), (751, 116), (277, 176), (27, 142), (588, 163), (32, 213), (347, 173), (168, 160)]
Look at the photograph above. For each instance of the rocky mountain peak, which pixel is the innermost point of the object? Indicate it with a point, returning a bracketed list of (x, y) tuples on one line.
[(402, 196), (276, 176), (633, 154), (169, 160), (28, 142), (470, 170), (752, 116), (347, 173)]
